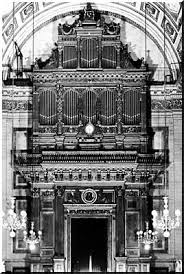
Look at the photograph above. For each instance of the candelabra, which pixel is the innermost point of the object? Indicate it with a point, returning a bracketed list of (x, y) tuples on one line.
[(166, 223), (32, 239), (147, 238), (14, 222)]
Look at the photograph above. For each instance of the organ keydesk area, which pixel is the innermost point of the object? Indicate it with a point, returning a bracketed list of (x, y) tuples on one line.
[(92, 154)]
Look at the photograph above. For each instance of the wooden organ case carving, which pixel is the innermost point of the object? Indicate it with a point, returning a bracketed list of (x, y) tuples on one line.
[(91, 106), (95, 80)]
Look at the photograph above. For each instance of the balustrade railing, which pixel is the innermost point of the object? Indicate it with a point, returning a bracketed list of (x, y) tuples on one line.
[(23, 157)]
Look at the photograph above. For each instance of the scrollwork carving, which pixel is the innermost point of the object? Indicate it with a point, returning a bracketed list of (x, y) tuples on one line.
[(89, 212), (18, 105), (131, 129), (167, 104), (48, 193), (59, 191), (60, 90), (119, 109), (131, 193), (73, 197), (50, 129), (51, 62), (103, 197), (36, 192), (126, 60)]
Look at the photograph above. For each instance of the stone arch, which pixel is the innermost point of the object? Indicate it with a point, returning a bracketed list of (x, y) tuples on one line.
[(22, 23)]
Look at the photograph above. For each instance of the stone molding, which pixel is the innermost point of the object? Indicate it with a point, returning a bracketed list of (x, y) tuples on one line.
[(20, 98), (56, 176)]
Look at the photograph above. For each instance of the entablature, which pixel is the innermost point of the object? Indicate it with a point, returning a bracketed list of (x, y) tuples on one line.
[(99, 76)]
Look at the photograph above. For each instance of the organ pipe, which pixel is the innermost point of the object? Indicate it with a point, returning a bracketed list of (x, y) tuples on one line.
[(131, 107), (70, 108), (48, 107), (89, 53)]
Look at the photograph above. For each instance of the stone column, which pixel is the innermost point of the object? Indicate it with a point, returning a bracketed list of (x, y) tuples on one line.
[(59, 223), (120, 224), (35, 215)]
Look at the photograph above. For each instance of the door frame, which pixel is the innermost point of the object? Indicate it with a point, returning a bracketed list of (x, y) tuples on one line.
[(83, 211)]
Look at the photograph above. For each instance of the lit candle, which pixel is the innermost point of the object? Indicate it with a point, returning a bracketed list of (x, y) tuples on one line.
[(90, 263)]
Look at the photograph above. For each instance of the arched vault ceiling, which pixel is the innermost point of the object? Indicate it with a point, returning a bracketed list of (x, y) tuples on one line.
[(19, 25)]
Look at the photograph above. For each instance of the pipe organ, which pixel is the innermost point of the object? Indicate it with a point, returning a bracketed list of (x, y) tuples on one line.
[(91, 141), (94, 86)]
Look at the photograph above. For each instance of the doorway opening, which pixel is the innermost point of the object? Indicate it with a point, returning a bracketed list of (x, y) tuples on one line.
[(89, 245)]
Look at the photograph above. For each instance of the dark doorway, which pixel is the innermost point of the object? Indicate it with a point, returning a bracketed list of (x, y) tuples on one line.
[(89, 245)]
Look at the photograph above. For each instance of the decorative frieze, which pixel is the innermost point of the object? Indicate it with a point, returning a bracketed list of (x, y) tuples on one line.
[(16, 91), (16, 105), (22, 105), (49, 193), (89, 196), (124, 175), (87, 209), (85, 77), (166, 104)]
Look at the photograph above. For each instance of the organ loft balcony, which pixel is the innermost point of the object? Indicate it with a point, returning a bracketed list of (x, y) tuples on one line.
[(26, 157), (52, 168)]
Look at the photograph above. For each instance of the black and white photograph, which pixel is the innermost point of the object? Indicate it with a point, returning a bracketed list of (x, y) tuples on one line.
[(91, 136)]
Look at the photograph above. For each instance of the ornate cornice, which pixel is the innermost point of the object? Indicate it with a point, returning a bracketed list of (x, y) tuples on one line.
[(166, 98), (16, 91), (104, 209), (18, 105), (166, 104), (89, 77)]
